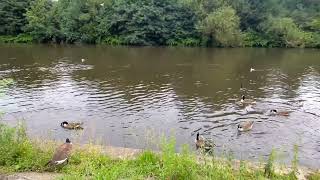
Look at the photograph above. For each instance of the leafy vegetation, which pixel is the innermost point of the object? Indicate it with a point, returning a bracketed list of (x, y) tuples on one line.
[(222, 23), (18, 153)]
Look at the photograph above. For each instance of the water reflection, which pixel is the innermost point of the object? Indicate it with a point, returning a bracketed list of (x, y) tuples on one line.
[(124, 94)]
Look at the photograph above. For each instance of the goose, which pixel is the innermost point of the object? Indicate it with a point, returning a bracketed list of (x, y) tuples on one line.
[(245, 126), (280, 113), (71, 125), (246, 101), (203, 143), (61, 154)]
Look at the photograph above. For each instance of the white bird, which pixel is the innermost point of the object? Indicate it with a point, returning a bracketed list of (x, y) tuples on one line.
[(83, 60), (102, 4), (251, 69)]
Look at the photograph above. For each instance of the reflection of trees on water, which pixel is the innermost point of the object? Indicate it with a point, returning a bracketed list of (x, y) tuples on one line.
[(210, 75), (198, 72)]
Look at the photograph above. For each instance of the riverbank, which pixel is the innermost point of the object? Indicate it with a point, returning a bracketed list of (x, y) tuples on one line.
[(19, 154)]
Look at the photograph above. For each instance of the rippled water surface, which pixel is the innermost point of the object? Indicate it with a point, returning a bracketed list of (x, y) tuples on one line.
[(126, 96)]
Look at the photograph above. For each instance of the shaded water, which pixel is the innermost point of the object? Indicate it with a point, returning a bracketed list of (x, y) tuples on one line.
[(125, 96)]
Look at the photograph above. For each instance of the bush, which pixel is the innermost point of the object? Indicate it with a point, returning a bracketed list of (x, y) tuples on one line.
[(21, 38), (17, 153)]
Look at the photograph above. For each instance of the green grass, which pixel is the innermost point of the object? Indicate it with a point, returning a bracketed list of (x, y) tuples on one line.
[(19, 154)]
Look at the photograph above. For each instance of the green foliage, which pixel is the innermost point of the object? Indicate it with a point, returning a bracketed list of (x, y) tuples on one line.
[(39, 20), (269, 167), (315, 24), (114, 41), (21, 38), (223, 23), (254, 39), (287, 32), (223, 26), (148, 22), (17, 153), (12, 19)]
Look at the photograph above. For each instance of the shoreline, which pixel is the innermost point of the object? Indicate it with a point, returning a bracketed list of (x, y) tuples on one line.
[(123, 153), (11, 40), (127, 154)]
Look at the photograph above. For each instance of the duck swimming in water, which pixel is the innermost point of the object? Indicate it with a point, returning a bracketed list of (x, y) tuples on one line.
[(203, 143), (245, 126), (246, 101), (279, 113), (71, 125)]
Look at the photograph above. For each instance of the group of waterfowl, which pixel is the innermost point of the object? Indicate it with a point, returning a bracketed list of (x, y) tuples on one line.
[(62, 153), (205, 144)]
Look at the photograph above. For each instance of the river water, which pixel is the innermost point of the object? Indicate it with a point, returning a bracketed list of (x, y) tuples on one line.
[(131, 96)]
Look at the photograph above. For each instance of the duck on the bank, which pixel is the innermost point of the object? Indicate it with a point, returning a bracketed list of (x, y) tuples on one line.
[(245, 126), (279, 113), (61, 154), (83, 60), (246, 101), (71, 125), (203, 143)]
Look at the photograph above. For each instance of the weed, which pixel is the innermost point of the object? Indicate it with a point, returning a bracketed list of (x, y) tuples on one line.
[(269, 167)]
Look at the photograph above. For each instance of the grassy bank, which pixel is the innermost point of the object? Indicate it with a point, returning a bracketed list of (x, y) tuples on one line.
[(22, 38), (20, 154)]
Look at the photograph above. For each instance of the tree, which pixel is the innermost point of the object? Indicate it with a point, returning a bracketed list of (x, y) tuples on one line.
[(39, 20), (287, 32), (12, 18), (148, 22), (222, 26)]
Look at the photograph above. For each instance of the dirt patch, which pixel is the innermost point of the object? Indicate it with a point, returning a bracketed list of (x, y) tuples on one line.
[(30, 176)]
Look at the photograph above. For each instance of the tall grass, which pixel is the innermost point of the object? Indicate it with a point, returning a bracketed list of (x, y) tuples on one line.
[(18, 153)]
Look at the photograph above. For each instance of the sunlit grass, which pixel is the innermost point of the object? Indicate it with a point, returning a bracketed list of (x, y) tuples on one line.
[(19, 154)]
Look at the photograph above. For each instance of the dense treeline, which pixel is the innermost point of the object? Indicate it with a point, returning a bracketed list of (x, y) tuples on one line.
[(222, 23)]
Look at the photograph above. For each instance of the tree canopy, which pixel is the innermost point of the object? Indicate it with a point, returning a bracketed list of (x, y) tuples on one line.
[(222, 23)]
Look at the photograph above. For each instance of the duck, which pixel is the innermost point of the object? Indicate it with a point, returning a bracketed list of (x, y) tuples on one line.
[(246, 101), (203, 143), (280, 113), (83, 60), (71, 125), (245, 126), (251, 70), (61, 154)]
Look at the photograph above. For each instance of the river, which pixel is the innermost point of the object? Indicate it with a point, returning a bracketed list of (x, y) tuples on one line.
[(130, 96)]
